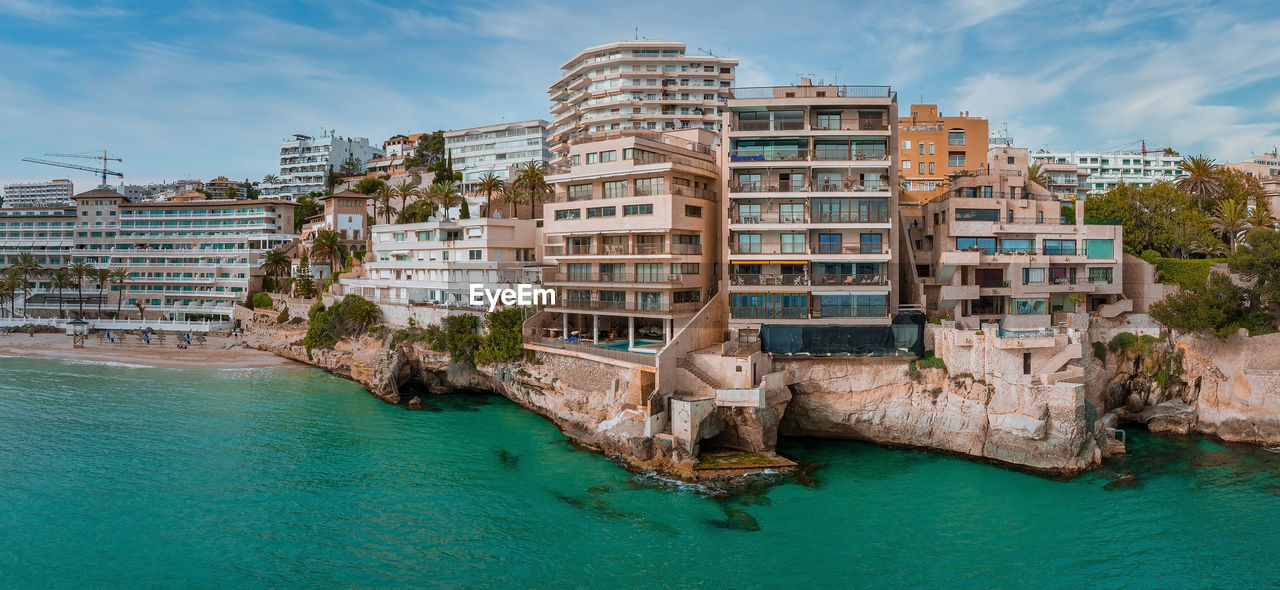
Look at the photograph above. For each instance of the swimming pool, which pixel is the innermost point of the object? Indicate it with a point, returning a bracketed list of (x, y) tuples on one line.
[(622, 345)]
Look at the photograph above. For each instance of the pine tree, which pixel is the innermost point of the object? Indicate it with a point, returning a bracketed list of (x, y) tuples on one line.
[(303, 285)]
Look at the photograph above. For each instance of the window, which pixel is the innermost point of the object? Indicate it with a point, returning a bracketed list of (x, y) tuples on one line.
[(593, 158), (748, 243), (1098, 249), (921, 168), (686, 268), (579, 192), (608, 156), (648, 187), (906, 164), (792, 243), (1060, 247), (398, 236), (637, 210), (684, 297), (475, 255), (1032, 275), (955, 159), (1010, 159), (649, 272), (930, 167), (569, 214), (977, 215), (906, 145), (692, 211), (955, 137), (594, 212), (984, 245), (829, 243), (1017, 246), (869, 243), (921, 146), (1029, 306), (1099, 275), (931, 148), (615, 189)]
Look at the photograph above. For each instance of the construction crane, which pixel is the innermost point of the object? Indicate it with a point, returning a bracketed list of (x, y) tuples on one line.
[(104, 172), (1146, 151)]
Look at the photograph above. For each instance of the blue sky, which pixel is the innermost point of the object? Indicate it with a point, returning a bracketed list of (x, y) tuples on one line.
[(200, 89)]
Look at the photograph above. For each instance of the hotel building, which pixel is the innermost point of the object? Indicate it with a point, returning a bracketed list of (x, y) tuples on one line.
[(397, 151), (812, 206), (54, 193), (631, 236), (217, 188), (47, 233), (496, 149), (186, 260), (1106, 170), (933, 147), (643, 84), (436, 262), (306, 161), (1000, 248)]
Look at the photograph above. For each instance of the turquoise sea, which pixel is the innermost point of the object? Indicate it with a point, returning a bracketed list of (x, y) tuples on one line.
[(126, 477)]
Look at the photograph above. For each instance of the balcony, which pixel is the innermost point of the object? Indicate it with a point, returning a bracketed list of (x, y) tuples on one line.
[(560, 276), (800, 155), (769, 217), (627, 306), (811, 249), (817, 186), (554, 250), (799, 279)]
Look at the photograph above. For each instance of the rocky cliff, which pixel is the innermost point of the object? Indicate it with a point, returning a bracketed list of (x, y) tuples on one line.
[(875, 399)]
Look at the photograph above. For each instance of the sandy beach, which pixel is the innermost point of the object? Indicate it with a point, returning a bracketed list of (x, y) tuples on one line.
[(217, 353)]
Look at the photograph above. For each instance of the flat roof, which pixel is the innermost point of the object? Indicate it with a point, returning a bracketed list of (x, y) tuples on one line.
[(496, 127)]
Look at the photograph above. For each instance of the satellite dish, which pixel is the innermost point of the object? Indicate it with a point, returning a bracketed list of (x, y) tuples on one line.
[(432, 218)]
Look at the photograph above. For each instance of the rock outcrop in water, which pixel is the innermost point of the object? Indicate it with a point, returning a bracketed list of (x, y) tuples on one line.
[(875, 399)]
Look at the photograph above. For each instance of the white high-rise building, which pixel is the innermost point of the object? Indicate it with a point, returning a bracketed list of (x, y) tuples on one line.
[(54, 193), (305, 162), (1106, 170), (496, 149), (641, 84)]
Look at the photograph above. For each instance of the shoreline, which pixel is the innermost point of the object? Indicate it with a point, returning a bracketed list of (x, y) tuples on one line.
[(218, 353)]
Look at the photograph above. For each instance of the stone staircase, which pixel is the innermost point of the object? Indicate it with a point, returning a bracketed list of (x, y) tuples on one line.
[(1072, 351)]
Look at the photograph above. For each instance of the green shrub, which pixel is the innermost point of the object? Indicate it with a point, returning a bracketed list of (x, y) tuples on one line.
[(1188, 274), (284, 316), (455, 335), (1100, 351), (316, 308), (1122, 341), (351, 317), (261, 300), (269, 284), (503, 339), (931, 362), (296, 321), (1150, 256), (318, 335)]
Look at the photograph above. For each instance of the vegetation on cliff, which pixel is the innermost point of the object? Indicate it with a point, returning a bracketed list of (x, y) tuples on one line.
[(261, 300), (351, 317), (469, 341), (1221, 306)]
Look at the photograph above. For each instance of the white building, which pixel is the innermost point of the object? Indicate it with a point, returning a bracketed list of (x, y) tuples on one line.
[(496, 149), (1106, 170), (54, 193), (642, 84), (305, 162), (436, 262)]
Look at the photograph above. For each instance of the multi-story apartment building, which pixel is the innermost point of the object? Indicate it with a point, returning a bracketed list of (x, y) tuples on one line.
[(1000, 248), (641, 84), (346, 213), (396, 152), (46, 233), (54, 193), (186, 260), (631, 233), (306, 161), (1067, 181), (436, 262), (812, 206), (933, 147), (496, 149), (1261, 167), (1106, 170), (217, 188)]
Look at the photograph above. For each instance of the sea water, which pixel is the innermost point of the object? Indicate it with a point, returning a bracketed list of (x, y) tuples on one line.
[(126, 477)]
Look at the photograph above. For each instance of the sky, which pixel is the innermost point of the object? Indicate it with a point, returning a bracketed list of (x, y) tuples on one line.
[(202, 89)]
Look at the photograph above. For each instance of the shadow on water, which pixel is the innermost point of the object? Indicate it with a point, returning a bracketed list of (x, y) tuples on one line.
[(735, 519), (508, 459), (464, 401), (1206, 462)]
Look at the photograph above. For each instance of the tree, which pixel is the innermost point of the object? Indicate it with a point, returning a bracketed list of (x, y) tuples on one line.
[(327, 246), (1231, 219), (407, 192), (502, 340), (351, 166), (271, 179), (276, 264), (369, 186), (1154, 217), (12, 283), (430, 149), (80, 271), (102, 276), (1201, 181), (1259, 262), (490, 185), (1260, 217), (515, 197), (308, 205), (444, 194), (251, 192), (303, 285), (119, 276), (60, 280), (531, 177), (231, 193), (382, 203), (1218, 309), (28, 267), (1036, 174)]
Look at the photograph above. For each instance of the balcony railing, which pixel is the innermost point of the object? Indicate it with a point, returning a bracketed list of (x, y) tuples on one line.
[(777, 125), (560, 276), (854, 279), (825, 154), (768, 217), (798, 279), (769, 313), (654, 307), (817, 311), (773, 186), (620, 249), (827, 248), (750, 92)]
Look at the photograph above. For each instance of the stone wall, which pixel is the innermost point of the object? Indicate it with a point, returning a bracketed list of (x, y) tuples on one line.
[(1236, 384)]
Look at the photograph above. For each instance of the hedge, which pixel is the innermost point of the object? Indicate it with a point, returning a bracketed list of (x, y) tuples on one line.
[(1188, 274), (261, 300)]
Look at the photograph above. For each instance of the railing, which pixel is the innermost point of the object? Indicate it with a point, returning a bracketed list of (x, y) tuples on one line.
[(1037, 333), (850, 125), (850, 217), (817, 279), (598, 305), (776, 125), (772, 186), (1016, 250), (825, 154), (769, 313), (768, 279), (820, 248), (768, 217), (1037, 221), (638, 358), (850, 279), (616, 277), (1059, 251), (990, 284), (749, 92), (850, 311)]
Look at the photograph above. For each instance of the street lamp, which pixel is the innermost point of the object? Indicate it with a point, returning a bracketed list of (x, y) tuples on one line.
[(78, 329)]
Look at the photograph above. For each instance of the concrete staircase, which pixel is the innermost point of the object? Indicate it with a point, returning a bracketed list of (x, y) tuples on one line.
[(1072, 351), (702, 376)]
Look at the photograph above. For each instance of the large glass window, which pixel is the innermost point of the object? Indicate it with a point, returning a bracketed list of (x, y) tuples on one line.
[(955, 137), (984, 245), (955, 159), (578, 271), (1100, 275), (1029, 306), (579, 192), (977, 215), (593, 212), (748, 243), (1017, 246), (569, 214), (851, 210), (1060, 247), (649, 272), (615, 189), (852, 306), (637, 210), (792, 243), (648, 187), (1098, 249), (869, 243)]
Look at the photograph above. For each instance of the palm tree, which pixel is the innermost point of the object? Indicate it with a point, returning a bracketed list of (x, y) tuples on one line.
[(1201, 180), (28, 267), (1036, 174), (270, 179), (406, 192), (119, 276), (1261, 216), (444, 194), (276, 263), (382, 202), (328, 246), (531, 176), (80, 270), (60, 280), (1232, 218), (515, 197), (9, 285), (102, 276), (490, 185)]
